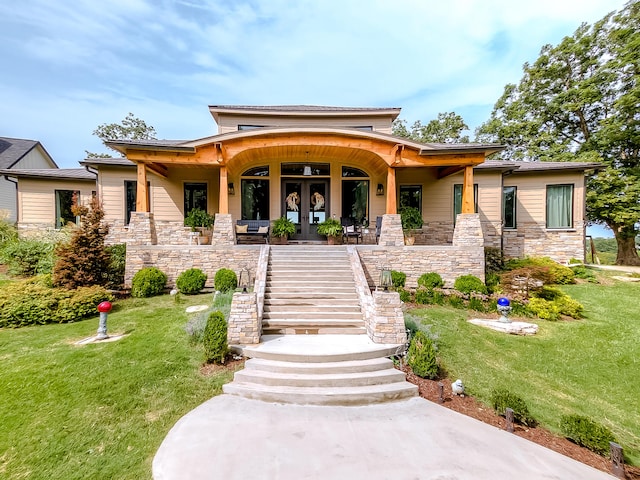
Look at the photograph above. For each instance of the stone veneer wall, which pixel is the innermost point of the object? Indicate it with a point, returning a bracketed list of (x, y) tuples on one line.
[(391, 231), (260, 281), (118, 232), (31, 230), (173, 261), (534, 240), (224, 232), (244, 326), (387, 322)]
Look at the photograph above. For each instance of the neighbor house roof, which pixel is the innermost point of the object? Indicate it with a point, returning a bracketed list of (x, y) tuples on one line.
[(525, 167), (12, 150), (50, 173)]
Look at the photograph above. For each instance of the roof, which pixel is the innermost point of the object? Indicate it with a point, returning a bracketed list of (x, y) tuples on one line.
[(525, 167), (51, 173), (113, 161), (303, 110), (12, 150)]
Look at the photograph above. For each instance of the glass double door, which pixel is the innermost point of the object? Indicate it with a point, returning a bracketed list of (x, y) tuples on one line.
[(306, 203)]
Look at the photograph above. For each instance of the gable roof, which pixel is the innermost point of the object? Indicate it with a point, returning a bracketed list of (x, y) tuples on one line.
[(50, 173), (12, 150)]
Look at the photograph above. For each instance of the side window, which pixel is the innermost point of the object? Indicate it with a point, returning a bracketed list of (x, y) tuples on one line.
[(254, 193), (195, 196), (457, 200), (411, 196), (130, 197), (65, 200), (559, 206), (509, 199)]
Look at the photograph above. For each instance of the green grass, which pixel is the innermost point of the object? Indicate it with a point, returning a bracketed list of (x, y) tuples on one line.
[(589, 367), (98, 410)]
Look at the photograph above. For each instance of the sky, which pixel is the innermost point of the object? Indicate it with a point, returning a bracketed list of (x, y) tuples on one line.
[(67, 66)]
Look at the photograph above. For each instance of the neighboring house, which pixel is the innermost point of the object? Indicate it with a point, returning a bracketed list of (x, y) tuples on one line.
[(311, 163), (17, 153)]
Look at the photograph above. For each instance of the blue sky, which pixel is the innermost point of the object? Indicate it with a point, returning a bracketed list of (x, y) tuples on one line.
[(69, 66)]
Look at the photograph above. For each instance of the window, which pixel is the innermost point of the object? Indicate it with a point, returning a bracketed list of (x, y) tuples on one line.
[(65, 200), (255, 194), (355, 200), (195, 196), (559, 206), (457, 200), (295, 169), (131, 196), (249, 127), (411, 196), (509, 207)]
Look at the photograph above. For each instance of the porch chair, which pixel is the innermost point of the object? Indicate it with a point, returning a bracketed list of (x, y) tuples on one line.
[(350, 230)]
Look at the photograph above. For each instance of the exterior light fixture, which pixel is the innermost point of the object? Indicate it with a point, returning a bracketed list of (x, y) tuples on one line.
[(386, 280), (243, 281), (232, 190), (380, 190)]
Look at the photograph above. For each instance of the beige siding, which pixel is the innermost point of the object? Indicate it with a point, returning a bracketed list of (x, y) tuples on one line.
[(36, 198), (229, 123), (8, 199), (36, 158)]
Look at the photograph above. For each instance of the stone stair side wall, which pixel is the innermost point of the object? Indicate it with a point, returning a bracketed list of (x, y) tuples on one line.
[(362, 286), (244, 328), (260, 283)]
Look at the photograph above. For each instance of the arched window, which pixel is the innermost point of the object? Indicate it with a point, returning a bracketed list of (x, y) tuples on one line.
[(355, 195), (255, 193)]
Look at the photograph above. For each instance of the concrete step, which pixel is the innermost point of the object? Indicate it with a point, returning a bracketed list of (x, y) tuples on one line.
[(319, 307), (309, 283), (312, 330), (277, 366), (346, 396), (310, 273), (309, 300), (313, 379), (313, 316), (283, 293)]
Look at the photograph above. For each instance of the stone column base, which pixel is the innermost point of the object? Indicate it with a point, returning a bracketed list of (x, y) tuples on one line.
[(244, 326), (224, 232), (391, 234), (387, 322)]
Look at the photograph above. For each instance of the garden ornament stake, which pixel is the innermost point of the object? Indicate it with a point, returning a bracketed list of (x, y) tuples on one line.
[(104, 308), (504, 307)]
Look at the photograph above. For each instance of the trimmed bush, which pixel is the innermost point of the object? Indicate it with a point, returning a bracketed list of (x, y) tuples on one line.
[(422, 356), (117, 264), (427, 296), (405, 295), (398, 279), (225, 280), (191, 281), (544, 309), (28, 257), (35, 302), (430, 280), (215, 338), (501, 399), (455, 301), (148, 282), (587, 433), (560, 274), (469, 283)]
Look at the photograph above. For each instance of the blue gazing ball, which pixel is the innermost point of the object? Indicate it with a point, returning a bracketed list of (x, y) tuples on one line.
[(504, 302)]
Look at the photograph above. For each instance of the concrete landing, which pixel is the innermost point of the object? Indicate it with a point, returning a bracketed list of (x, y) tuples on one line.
[(233, 438)]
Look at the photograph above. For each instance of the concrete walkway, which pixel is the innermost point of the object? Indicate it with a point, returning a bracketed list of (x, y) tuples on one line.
[(231, 438)]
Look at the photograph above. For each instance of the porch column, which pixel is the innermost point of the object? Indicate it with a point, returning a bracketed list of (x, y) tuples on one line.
[(392, 204), (142, 195), (223, 203), (467, 191)]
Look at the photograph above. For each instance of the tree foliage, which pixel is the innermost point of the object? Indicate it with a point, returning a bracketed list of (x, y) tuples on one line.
[(579, 102), (131, 128), (447, 128)]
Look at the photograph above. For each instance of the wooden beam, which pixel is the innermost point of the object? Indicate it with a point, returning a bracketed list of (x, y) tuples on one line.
[(446, 171), (158, 169), (223, 202), (467, 191), (142, 196), (221, 153), (392, 203)]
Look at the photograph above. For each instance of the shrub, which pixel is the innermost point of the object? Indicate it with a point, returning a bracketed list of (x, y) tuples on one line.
[(469, 283), (148, 282), (225, 280), (82, 260), (476, 304), (580, 271), (525, 281), (570, 307), (492, 280), (549, 303), (493, 260), (398, 279), (544, 309), (422, 356), (455, 301), (560, 274), (411, 218), (117, 263), (587, 433), (501, 399), (8, 232), (430, 280), (427, 296), (28, 257), (215, 338), (405, 295), (191, 281), (35, 302)]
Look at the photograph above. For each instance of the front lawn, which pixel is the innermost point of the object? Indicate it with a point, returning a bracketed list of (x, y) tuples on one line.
[(98, 410), (589, 367)]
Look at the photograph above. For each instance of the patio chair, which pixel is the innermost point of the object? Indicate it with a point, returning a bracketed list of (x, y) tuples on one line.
[(350, 230)]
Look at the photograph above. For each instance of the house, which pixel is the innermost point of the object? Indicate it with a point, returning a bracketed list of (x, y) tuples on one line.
[(310, 163), (17, 153)]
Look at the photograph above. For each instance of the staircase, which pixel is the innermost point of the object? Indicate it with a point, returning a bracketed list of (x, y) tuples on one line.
[(311, 290), (314, 349)]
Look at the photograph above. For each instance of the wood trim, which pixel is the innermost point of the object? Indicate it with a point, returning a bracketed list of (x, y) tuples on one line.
[(467, 190), (142, 197), (446, 171), (392, 202), (223, 201)]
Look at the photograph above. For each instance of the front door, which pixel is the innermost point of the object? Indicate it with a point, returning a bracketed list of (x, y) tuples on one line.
[(306, 203)]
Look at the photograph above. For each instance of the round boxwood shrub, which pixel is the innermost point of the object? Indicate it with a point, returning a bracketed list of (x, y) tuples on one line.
[(191, 281), (502, 399), (215, 338), (225, 280), (422, 356), (398, 279), (469, 283), (587, 433), (148, 282), (430, 280)]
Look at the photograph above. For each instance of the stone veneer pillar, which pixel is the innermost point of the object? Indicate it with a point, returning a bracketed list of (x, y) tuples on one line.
[(142, 229), (387, 322), (224, 233), (391, 234), (468, 231), (244, 327)]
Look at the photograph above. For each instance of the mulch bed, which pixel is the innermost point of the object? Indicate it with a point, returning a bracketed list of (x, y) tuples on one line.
[(469, 406)]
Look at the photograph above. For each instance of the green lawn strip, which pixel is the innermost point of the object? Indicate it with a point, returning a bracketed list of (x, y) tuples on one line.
[(588, 367), (98, 410)]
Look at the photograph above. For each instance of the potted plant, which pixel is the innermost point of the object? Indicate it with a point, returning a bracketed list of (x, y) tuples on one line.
[(332, 229), (282, 229), (411, 221), (201, 221)]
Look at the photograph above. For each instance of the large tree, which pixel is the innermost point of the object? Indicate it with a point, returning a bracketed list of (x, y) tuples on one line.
[(131, 128), (580, 101), (447, 128)]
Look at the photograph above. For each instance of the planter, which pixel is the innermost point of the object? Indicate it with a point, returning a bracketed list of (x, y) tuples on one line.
[(409, 240), (279, 240), (334, 240)]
